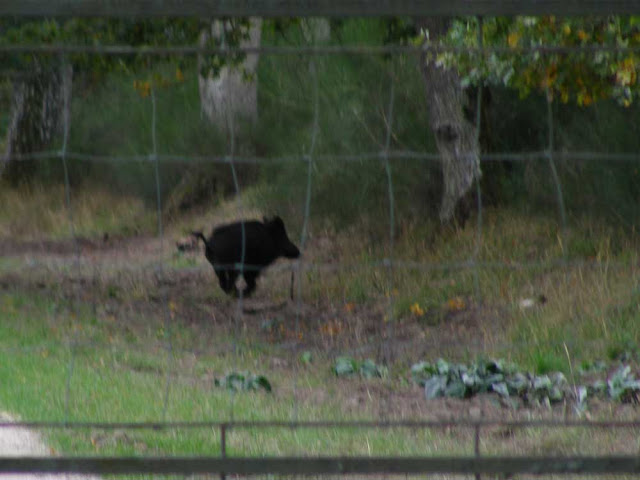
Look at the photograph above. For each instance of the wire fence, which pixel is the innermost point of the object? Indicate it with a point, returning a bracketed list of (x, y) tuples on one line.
[(390, 337)]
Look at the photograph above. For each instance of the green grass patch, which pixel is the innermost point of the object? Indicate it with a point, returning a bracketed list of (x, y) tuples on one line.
[(59, 363)]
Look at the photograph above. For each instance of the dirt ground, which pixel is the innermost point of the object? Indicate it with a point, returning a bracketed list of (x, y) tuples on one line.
[(132, 273)]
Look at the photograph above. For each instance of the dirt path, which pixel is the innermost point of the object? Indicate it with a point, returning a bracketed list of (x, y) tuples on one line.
[(16, 442)]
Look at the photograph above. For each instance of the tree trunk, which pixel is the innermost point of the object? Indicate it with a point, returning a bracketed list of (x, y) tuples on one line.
[(316, 30), (36, 117), (232, 94), (455, 133)]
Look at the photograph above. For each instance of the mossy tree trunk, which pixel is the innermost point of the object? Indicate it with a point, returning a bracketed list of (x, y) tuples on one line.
[(454, 130), (38, 103)]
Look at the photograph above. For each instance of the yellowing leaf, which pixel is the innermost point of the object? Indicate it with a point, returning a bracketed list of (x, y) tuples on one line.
[(626, 72), (456, 304), (143, 88), (551, 75), (512, 39), (417, 310)]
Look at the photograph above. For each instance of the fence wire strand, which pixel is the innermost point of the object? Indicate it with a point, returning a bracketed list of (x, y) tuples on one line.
[(160, 266), (66, 121), (387, 330), (556, 178), (359, 50), (395, 156), (238, 318), (298, 268), (478, 172)]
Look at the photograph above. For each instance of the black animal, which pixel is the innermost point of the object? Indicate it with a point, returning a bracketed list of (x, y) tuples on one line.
[(263, 243)]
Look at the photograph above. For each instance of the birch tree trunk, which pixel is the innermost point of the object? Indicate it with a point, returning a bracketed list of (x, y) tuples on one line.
[(316, 30), (232, 94), (36, 116), (455, 133)]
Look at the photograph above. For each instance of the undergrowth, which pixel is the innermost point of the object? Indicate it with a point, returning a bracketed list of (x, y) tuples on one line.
[(40, 212)]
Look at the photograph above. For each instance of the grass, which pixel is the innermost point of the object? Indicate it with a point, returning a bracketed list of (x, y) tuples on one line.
[(595, 303), (40, 212), (118, 378), (122, 378), (108, 341)]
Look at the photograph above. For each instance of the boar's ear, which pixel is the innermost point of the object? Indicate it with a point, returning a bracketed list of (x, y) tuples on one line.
[(275, 224), (278, 221)]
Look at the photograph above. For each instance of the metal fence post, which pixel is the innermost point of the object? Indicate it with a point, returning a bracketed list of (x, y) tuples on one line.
[(476, 445), (223, 446)]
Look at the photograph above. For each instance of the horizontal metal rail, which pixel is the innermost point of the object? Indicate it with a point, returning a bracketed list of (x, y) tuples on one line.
[(323, 424), (306, 8), (305, 50), (398, 155), (321, 465)]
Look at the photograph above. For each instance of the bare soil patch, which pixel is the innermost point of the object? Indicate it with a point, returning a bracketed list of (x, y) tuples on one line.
[(121, 275)]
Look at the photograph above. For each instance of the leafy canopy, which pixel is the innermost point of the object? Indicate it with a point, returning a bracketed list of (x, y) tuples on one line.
[(581, 76), (167, 32)]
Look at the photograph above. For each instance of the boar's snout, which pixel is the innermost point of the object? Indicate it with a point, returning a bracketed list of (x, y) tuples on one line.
[(290, 250)]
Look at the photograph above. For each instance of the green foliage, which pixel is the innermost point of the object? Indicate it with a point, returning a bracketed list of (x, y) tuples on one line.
[(166, 32), (306, 358), (623, 350), (623, 386), (548, 361), (114, 119), (353, 100), (587, 367), (97, 32), (444, 379), (347, 367), (399, 30), (232, 32), (243, 381), (581, 78)]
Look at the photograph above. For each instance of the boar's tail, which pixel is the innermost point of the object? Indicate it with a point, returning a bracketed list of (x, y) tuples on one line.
[(200, 236)]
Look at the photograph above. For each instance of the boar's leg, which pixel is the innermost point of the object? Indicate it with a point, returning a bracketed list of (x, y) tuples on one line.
[(227, 279), (250, 279)]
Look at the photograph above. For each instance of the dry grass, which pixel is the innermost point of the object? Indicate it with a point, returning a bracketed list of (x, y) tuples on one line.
[(35, 213)]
